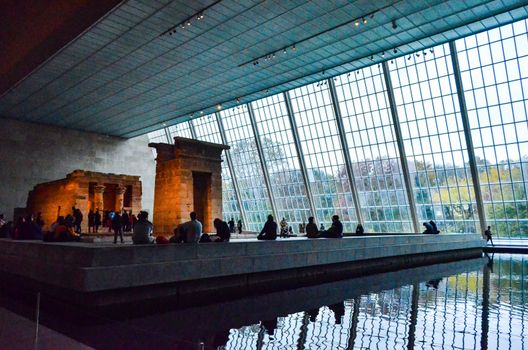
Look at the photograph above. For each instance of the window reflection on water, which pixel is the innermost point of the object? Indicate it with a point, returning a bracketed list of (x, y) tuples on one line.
[(473, 310)]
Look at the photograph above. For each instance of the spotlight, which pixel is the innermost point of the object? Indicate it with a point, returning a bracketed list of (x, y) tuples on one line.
[(383, 54), (170, 33), (238, 100), (357, 72), (364, 20), (273, 56), (200, 16), (294, 48), (182, 26), (392, 61), (371, 58), (431, 50), (417, 54), (394, 25), (356, 23), (201, 112), (219, 106), (267, 90), (284, 51), (348, 74), (395, 51), (409, 58), (189, 23), (425, 53), (323, 72)]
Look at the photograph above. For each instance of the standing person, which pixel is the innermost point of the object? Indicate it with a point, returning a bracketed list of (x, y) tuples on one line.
[(192, 229), (134, 220), (109, 220), (130, 220), (283, 228), (239, 227), (125, 221), (117, 226), (91, 221), (39, 221), (269, 231), (143, 230), (487, 233), (232, 225), (302, 228), (97, 220), (335, 231), (78, 220)]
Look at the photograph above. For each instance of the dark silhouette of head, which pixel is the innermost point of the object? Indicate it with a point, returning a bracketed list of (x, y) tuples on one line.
[(335, 218), (216, 222), (270, 217), (193, 215)]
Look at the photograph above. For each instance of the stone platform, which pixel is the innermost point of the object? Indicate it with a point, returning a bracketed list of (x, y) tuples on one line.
[(92, 274)]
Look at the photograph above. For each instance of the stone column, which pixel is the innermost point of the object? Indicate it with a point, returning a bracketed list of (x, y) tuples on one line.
[(98, 197), (120, 197)]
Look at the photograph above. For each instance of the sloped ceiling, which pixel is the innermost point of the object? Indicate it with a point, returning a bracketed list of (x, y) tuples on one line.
[(130, 72)]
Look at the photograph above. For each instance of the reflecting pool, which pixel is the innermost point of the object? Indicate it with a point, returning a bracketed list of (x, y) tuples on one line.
[(471, 304)]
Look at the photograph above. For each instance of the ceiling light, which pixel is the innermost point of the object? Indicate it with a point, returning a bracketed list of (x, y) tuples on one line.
[(364, 20), (356, 23), (200, 16), (383, 54), (219, 106), (294, 48), (284, 51), (189, 23), (394, 25), (395, 51), (201, 112), (238, 99)]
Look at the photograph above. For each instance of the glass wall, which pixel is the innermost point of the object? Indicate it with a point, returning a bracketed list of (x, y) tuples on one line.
[(206, 129), (181, 130), (494, 67), (367, 119), (433, 135), (494, 70), (282, 160), (323, 154), (246, 166)]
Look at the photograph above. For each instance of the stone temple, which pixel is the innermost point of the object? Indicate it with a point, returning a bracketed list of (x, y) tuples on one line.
[(86, 190)]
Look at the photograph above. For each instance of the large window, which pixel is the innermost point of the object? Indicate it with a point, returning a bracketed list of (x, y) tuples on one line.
[(494, 67), (282, 160), (367, 119), (247, 167), (206, 129), (433, 135), (318, 133), (181, 130)]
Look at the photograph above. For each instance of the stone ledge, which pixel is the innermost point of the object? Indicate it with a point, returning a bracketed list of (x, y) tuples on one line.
[(93, 268)]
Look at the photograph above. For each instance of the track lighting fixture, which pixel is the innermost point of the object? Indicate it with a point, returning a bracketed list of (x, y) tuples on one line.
[(356, 23), (395, 50), (364, 20)]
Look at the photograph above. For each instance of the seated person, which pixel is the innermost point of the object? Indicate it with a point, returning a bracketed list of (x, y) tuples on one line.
[(223, 232), (429, 230), (143, 230), (435, 229), (191, 230), (61, 232), (335, 231), (269, 231), (28, 229), (360, 230), (311, 228), (179, 235)]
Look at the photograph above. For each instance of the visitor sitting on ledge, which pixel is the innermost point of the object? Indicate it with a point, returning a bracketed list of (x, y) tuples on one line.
[(360, 230), (143, 230), (28, 229), (311, 228), (191, 231), (223, 233), (430, 228), (269, 231), (61, 232), (335, 231)]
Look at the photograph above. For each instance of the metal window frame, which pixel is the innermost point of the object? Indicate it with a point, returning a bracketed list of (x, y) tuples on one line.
[(230, 166)]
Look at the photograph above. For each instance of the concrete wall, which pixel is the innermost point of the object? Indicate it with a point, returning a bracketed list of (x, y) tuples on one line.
[(33, 153)]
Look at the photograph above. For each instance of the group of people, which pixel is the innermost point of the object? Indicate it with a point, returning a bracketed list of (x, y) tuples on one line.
[(27, 227), (430, 228), (269, 231), (231, 225)]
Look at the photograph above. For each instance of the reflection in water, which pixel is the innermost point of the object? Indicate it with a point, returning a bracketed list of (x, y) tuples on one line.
[(474, 310), (478, 304)]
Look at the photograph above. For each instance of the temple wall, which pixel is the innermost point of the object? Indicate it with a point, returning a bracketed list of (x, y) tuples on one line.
[(32, 153)]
